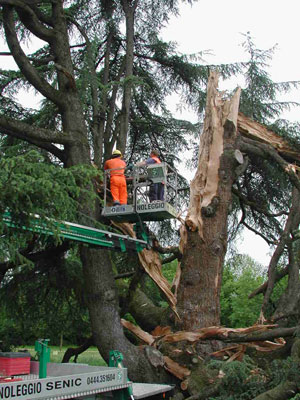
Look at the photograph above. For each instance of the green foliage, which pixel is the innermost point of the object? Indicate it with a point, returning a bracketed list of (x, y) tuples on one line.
[(244, 381), (281, 370), (11, 332), (130, 318), (238, 382), (169, 270), (29, 186), (44, 300), (241, 276)]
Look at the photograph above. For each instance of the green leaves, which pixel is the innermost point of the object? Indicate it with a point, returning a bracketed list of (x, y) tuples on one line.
[(29, 185), (241, 276)]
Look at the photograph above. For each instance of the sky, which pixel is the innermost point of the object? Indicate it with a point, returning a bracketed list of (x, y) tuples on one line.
[(218, 26)]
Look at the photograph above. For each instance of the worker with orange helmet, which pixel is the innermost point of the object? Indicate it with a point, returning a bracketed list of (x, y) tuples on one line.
[(118, 186)]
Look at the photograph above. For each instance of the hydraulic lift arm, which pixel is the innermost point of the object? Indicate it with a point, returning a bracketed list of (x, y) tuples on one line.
[(80, 233)]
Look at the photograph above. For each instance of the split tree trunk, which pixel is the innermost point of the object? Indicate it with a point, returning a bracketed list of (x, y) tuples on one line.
[(204, 236)]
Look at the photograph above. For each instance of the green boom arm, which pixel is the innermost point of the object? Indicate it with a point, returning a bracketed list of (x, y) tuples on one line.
[(80, 233)]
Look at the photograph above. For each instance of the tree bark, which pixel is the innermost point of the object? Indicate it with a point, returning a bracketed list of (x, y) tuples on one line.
[(204, 236), (289, 300), (129, 8), (102, 300)]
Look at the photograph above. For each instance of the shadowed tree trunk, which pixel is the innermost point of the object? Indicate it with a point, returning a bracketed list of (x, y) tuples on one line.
[(102, 300), (204, 236)]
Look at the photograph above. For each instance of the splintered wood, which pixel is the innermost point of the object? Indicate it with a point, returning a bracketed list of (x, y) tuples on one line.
[(233, 352), (219, 113), (256, 131)]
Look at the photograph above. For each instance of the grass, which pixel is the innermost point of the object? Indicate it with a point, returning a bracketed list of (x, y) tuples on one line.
[(90, 356)]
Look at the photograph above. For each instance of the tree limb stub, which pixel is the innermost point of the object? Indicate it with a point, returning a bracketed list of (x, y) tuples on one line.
[(268, 151), (256, 131)]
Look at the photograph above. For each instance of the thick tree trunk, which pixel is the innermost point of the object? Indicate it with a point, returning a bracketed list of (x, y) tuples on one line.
[(102, 300), (204, 237)]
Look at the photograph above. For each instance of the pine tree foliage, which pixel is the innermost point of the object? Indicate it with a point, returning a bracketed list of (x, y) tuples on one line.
[(31, 186), (246, 380), (259, 99)]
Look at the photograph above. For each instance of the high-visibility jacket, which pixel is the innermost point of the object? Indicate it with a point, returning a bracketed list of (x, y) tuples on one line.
[(156, 159), (117, 165), (118, 186)]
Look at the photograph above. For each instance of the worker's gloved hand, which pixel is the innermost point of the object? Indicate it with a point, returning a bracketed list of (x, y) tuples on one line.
[(130, 166)]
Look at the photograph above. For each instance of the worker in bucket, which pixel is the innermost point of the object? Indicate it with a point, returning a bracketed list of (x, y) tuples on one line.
[(156, 191), (118, 186)]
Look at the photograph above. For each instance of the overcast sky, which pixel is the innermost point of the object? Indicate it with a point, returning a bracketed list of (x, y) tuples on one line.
[(217, 26)]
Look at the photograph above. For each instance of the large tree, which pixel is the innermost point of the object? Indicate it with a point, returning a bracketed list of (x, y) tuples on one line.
[(96, 79)]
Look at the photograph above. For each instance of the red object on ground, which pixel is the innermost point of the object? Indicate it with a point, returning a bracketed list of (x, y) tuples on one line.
[(14, 364)]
